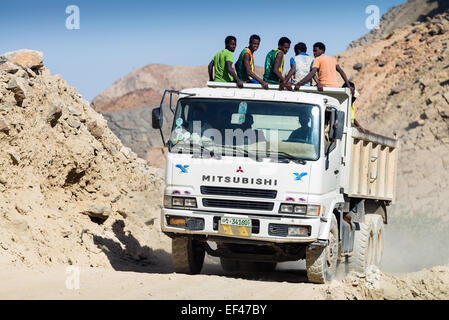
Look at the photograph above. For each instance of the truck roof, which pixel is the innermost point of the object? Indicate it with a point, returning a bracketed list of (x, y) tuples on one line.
[(227, 90)]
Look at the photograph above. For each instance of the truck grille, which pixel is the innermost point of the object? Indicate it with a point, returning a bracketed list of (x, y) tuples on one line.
[(278, 230), (239, 192), (236, 204)]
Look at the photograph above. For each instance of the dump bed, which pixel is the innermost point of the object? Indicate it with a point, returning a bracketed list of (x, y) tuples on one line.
[(372, 169)]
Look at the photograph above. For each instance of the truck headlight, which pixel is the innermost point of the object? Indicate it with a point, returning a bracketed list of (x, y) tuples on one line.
[(190, 202), (179, 202), (292, 208), (286, 208), (309, 210), (313, 210)]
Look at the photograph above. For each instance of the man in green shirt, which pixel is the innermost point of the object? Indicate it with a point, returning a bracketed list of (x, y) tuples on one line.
[(245, 64), (274, 64), (221, 64)]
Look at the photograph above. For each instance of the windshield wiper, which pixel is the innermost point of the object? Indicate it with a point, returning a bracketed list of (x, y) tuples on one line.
[(287, 156), (196, 145), (244, 151)]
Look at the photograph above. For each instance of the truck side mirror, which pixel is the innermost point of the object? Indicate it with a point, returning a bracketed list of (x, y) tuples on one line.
[(157, 119), (339, 125)]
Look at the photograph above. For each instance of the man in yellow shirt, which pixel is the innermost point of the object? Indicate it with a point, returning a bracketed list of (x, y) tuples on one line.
[(326, 67)]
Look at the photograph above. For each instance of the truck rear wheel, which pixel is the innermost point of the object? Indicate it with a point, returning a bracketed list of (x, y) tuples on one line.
[(187, 255), (321, 263), (364, 247)]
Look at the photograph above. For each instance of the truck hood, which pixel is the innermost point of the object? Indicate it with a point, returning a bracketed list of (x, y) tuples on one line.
[(186, 175)]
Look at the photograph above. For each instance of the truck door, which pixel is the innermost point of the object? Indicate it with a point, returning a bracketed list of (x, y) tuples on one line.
[(332, 151)]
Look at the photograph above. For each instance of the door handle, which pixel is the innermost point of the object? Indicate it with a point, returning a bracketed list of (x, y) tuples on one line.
[(336, 171)]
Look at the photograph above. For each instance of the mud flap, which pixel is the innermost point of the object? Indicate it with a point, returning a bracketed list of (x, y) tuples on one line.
[(347, 237)]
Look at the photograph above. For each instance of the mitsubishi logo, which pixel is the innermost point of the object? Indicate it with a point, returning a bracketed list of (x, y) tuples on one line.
[(240, 169)]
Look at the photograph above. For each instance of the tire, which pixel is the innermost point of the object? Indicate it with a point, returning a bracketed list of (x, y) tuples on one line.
[(187, 255), (379, 233), (321, 263), (364, 247)]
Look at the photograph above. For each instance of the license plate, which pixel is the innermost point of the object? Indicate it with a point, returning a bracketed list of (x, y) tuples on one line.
[(241, 222)]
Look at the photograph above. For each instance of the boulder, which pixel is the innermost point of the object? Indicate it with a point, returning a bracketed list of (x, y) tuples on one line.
[(19, 87), (358, 66), (25, 58)]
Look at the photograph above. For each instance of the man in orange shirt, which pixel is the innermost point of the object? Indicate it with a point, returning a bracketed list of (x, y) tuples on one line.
[(326, 67)]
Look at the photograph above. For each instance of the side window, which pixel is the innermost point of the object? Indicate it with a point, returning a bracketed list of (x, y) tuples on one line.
[(328, 143)]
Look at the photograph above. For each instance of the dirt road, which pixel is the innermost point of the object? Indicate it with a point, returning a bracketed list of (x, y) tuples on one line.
[(158, 281)]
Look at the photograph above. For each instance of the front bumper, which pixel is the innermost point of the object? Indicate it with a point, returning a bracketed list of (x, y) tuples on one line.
[(265, 224)]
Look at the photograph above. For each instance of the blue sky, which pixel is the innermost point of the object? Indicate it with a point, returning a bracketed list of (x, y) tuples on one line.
[(116, 37)]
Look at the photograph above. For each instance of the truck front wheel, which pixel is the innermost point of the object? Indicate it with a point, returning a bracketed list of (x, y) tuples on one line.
[(321, 263), (187, 255)]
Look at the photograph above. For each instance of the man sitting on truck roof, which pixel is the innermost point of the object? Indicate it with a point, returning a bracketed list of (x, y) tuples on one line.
[(274, 64), (326, 67), (222, 62), (245, 64), (301, 64)]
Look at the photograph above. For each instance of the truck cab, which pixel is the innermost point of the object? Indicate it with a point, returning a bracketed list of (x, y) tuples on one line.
[(258, 177)]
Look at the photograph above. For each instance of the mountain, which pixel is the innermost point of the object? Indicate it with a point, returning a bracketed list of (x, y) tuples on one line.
[(402, 15)]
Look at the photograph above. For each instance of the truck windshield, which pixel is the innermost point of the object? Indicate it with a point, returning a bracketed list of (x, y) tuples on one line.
[(246, 128)]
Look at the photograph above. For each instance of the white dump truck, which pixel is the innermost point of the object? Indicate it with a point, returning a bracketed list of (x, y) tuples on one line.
[(259, 176)]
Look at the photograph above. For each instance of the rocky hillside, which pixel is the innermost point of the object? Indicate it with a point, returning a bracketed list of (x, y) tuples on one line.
[(403, 80), (400, 16), (69, 189)]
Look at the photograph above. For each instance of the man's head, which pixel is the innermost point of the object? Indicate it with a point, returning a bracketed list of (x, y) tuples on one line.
[(300, 47), (254, 42), (231, 43), (304, 120), (284, 44), (318, 49)]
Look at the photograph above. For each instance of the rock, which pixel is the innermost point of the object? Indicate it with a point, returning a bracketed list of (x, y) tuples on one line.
[(358, 66), (399, 63), (382, 63), (408, 51), (19, 87), (26, 58), (396, 90), (98, 211), (73, 123), (4, 126), (9, 67), (390, 291), (95, 130), (54, 114), (411, 37)]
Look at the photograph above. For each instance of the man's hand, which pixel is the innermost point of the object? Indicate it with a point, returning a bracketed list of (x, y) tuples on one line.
[(297, 86), (320, 87), (240, 84), (264, 84), (352, 90), (286, 85)]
